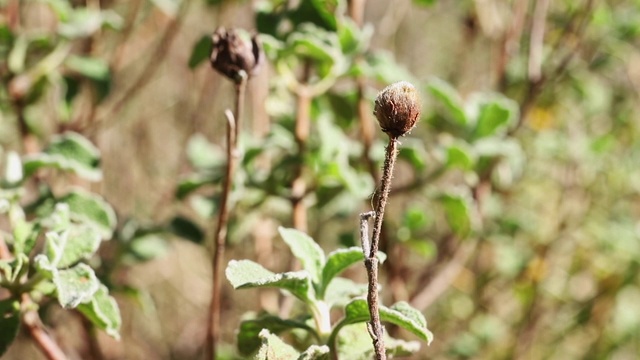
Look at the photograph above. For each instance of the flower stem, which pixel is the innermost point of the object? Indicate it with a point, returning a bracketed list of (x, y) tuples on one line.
[(371, 262), (233, 125)]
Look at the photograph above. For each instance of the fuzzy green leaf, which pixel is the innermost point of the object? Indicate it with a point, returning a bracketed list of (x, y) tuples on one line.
[(401, 314), (341, 291), (407, 317), (68, 247), (73, 286), (495, 115), (460, 155), (103, 312), (458, 212), (339, 260), (306, 250), (69, 152), (91, 209), (451, 101), (273, 348), (245, 274), (11, 270), (248, 335)]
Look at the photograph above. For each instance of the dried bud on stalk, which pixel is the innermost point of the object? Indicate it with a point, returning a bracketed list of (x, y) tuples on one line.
[(235, 54), (397, 108)]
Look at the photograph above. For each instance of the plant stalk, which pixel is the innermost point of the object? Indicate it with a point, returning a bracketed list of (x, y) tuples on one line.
[(31, 320), (371, 262), (233, 125)]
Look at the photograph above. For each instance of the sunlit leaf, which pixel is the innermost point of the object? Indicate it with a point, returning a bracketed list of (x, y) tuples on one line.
[(306, 250), (245, 274), (103, 312), (70, 152), (449, 98)]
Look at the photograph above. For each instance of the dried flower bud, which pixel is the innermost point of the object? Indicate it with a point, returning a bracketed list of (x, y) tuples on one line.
[(397, 108), (235, 54)]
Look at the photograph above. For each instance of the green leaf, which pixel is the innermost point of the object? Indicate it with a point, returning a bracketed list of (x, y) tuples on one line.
[(449, 98), (457, 208), (186, 229), (353, 40), (9, 324), (69, 152), (73, 286), (202, 154), (68, 247), (91, 209), (401, 314), (244, 274), (25, 235), (191, 184), (248, 335), (92, 68), (314, 43), (339, 260), (382, 66), (83, 22), (306, 250), (425, 2), (315, 352), (341, 291), (12, 269), (103, 312), (460, 155), (413, 152), (148, 247), (407, 317), (273, 348), (13, 173), (201, 51), (494, 115)]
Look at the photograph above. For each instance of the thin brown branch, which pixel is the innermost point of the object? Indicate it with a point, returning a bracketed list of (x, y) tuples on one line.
[(536, 44), (35, 328), (511, 43), (385, 188), (213, 333), (371, 262), (301, 133)]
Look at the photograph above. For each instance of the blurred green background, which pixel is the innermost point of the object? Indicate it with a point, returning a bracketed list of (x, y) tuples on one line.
[(514, 227)]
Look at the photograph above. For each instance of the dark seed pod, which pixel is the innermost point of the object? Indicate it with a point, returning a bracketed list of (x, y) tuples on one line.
[(397, 108), (235, 54)]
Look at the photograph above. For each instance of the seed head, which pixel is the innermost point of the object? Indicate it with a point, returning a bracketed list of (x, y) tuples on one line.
[(397, 108), (235, 54)]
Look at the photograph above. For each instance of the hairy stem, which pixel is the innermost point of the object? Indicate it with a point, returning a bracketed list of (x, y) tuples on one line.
[(233, 125), (385, 187), (371, 261)]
